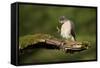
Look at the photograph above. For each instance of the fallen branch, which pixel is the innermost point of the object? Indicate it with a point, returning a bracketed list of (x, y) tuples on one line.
[(47, 41), (68, 46)]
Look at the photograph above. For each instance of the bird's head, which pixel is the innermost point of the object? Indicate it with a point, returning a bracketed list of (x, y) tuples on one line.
[(62, 19)]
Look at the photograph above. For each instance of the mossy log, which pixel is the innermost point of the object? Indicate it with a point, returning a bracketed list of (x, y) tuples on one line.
[(48, 41)]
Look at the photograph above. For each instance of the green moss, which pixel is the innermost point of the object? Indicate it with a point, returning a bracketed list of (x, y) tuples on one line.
[(33, 39)]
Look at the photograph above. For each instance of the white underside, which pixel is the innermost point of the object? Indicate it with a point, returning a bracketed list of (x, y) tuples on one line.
[(66, 30)]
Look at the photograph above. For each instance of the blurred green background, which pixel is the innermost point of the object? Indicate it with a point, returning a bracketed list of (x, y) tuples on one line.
[(44, 19)]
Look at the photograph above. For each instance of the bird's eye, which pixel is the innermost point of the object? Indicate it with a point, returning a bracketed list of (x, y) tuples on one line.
[(62, 18)]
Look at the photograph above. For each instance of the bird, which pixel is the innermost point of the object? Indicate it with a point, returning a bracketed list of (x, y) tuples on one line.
[(67, 30)]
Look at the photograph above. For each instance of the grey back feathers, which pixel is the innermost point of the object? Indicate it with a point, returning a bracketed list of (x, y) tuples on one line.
[(73, 30)]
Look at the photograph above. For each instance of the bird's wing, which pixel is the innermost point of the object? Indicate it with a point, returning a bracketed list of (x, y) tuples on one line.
[(73, 30), (59, 27)]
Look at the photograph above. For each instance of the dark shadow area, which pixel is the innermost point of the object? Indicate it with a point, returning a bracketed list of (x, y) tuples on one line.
[(37, 46)]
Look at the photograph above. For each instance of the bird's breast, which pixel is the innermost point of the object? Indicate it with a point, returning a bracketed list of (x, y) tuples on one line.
[(66, 29)]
